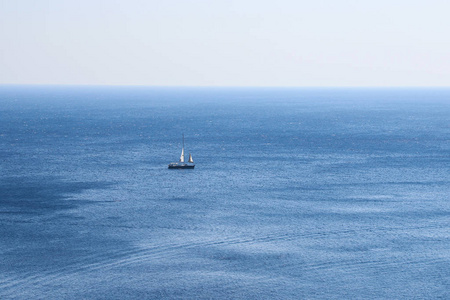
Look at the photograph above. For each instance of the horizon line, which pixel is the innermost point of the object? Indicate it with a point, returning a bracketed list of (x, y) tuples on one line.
[(226, 86)]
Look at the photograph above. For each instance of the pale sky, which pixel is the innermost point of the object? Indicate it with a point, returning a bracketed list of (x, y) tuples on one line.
[(225, 43)]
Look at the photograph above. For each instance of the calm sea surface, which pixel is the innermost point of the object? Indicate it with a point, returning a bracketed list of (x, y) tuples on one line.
[(296, 193)]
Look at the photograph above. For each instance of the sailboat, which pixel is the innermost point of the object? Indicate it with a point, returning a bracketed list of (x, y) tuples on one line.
[(181, 164)]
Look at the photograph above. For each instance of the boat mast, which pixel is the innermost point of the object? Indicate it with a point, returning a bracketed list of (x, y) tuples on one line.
[(182, 152)]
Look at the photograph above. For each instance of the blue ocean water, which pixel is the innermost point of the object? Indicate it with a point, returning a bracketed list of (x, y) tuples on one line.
[(296, 193)]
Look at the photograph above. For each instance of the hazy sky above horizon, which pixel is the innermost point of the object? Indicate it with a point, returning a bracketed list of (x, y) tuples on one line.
[(225, 43)]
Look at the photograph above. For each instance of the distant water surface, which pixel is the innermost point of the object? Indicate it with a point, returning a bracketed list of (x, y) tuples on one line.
[(296, 193)]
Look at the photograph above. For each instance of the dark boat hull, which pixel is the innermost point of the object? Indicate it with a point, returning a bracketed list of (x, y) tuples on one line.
[(183, 166)]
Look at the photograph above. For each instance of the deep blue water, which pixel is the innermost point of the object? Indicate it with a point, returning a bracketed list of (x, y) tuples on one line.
[(296, 194)]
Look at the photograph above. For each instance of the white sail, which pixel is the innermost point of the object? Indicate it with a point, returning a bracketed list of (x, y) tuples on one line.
[(190, 158), (182, 156)]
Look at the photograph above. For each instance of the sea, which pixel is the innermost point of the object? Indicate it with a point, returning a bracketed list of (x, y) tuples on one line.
[(297, 193)]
